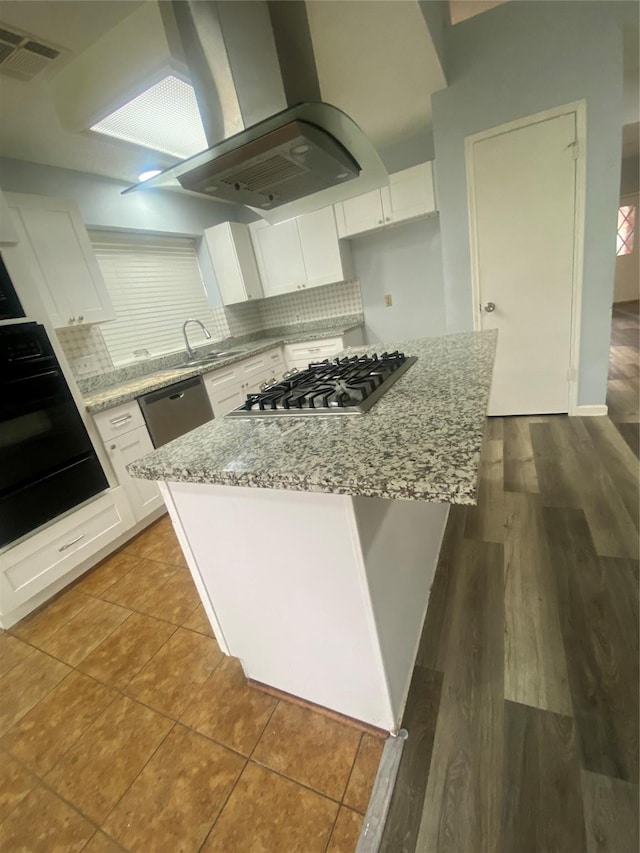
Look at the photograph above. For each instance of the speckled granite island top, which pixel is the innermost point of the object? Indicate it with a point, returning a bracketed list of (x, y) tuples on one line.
[(421, 440)]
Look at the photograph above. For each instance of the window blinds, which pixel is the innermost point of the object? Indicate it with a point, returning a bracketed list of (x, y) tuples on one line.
[(155, 285)]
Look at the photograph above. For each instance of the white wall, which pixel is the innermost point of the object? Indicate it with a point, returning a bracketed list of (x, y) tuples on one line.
[(512, 61), (405, 262)]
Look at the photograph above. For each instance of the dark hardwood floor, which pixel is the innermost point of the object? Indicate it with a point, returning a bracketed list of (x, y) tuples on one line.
[(523, 710)]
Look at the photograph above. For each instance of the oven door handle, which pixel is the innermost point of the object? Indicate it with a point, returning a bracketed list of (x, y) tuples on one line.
[(34, 376)]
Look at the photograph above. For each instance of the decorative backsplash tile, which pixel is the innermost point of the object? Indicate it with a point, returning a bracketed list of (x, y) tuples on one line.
[(331, 300), (88, 356), (85, 350)]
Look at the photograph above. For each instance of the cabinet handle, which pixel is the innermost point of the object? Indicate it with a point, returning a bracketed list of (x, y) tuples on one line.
[(313, 349), (80, 319), (73, 542), (72, 319), (121, 420)]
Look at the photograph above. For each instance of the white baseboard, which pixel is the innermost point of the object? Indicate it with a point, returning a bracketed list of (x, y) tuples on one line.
[(590, 411)]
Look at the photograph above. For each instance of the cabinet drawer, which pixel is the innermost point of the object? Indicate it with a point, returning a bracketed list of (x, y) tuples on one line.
[(266, 361), (42, 559), (119, 420), (312, 350), (219, 380)]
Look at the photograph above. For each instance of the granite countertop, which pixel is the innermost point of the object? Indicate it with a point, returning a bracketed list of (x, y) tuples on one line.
[(100, 399), (420, 441)]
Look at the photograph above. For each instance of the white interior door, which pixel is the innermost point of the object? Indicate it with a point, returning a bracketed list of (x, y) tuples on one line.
[(522, 216)]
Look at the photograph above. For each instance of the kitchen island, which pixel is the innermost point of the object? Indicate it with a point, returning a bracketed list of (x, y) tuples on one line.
[(313, 541)]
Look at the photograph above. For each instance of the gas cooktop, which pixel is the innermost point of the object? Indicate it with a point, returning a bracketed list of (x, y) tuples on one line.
[(343, 386)]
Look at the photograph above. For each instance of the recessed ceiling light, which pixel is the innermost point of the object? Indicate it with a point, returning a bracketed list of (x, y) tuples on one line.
[(164, 117), (144, 176)]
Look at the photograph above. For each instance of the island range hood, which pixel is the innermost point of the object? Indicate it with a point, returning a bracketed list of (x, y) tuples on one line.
[(275, 146)]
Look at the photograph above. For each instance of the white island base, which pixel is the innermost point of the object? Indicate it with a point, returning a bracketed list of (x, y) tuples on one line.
[(322, 596)]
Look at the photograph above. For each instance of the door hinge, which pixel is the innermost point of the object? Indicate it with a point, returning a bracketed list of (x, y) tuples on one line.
[(575, 149)]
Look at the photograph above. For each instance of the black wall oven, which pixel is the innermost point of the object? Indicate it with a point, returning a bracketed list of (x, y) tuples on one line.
[(47, 462)]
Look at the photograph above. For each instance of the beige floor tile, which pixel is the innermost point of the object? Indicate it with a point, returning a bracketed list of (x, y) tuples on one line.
[(364, 773), (101, 843), (124, 653), (173, 676), (269, 814), (103, 762), (57, 721), (15, 783), (228, 710), (310, 748), (174, 801), (174, 600), (167, 551), (26, 684), (346, 832), (96, 581), (43, 823), (83, 632), (12, 651), (137, 585), (199, 621), (46, 620)]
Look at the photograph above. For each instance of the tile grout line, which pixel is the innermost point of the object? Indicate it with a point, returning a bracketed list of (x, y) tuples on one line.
[(346, 788)]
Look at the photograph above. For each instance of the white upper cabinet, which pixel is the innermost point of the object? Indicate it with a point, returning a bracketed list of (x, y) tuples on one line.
[(410, 195), (234, 262), (279, 256), (326, 260), (300, 253), (360, 214), (69, 278)]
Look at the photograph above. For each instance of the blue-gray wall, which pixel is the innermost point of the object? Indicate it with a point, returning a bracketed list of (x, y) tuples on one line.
[(404, 261), (512, 61)]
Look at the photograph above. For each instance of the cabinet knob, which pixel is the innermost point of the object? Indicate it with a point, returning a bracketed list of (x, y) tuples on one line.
[(380, 222), (113, 447), (80, 319), (303, 286), (72, 319), (388, 218)]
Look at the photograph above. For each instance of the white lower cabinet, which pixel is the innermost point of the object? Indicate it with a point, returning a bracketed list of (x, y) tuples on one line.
[(39, 561), (300, 355), (126, 439), (228, 388)]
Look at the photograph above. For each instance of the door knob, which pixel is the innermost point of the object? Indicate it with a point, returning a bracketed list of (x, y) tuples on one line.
[(489, 307)]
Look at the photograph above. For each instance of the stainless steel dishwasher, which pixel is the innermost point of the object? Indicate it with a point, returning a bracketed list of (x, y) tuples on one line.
[(176, 409)]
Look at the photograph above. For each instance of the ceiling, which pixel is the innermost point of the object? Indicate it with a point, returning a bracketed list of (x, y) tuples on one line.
[(45, 120)]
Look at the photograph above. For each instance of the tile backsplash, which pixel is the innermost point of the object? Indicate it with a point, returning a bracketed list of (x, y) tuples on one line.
[(88, 355), (85, 350)]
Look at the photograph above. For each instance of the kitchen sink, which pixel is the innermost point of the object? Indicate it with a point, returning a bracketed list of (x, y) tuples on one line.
[(207, 359)]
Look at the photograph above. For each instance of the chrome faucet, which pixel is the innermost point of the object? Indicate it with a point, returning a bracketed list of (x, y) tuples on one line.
[(190, 351)]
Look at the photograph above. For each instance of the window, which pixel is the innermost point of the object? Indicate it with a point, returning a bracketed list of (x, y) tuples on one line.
[(154, 284), (626, 229)]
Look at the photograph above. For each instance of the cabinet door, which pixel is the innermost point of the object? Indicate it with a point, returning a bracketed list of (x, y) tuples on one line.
[(75, 288), (144, 495), (320, 247), (410, 194), (234, 262), (279, 257), (226, 399), (363, 213)]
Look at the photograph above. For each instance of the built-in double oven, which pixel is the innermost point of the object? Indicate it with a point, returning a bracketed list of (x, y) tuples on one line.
[(47, 462)]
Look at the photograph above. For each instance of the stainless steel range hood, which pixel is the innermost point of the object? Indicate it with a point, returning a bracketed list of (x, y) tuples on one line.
[(275, 146)]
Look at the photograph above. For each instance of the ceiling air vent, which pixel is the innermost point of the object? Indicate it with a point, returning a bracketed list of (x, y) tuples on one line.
[(23, 56)]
